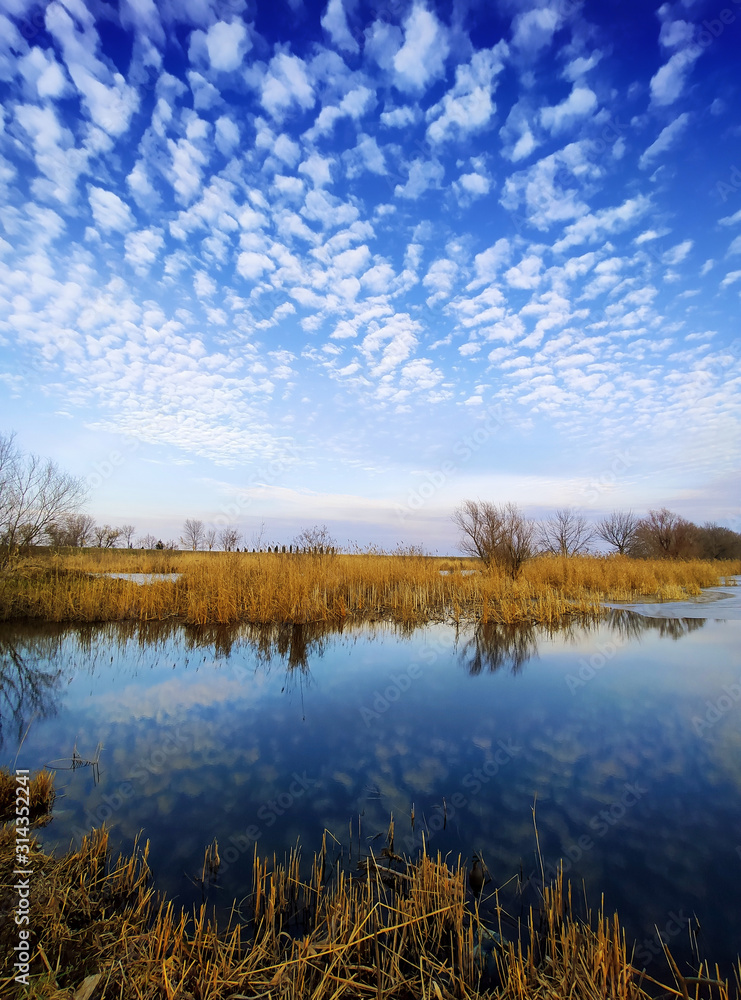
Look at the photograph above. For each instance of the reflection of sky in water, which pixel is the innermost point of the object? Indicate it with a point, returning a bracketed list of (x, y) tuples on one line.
[(206, 736)]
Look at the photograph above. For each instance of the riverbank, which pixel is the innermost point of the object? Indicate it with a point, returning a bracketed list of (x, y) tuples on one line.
[(262, 588), (393, 929)]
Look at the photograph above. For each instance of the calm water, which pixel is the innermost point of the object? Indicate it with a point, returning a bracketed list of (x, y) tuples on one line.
[(628, 733)]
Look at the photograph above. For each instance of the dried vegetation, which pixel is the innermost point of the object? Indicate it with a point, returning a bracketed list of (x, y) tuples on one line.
[(396, 929)]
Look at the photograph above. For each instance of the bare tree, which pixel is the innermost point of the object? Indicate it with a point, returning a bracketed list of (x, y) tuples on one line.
[(127, 533), (209, 537), (718, 542), (229, 538), (193, 534), (147, 541), (106, 536), (566, 533), (316, 539), (34, 494), (618, 529), (665, 535), (74, 531), (498, 535)]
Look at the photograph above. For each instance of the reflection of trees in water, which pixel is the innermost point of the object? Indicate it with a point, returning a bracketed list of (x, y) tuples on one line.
[(493, 646), (29, 680), (630, 625)]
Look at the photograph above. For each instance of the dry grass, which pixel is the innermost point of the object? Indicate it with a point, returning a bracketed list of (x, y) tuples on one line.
[(395, 930), (224, 588), (41, 795)]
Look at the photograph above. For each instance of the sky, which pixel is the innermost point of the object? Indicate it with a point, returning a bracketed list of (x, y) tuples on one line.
[(288, 263)]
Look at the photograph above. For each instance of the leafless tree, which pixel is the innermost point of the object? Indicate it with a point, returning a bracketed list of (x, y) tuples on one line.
[(127, 533), (106, 536), (74, 531), (209, 537), (718, 542), (229, 539), (193, 534), (498, 535), (34, 494), (566, 533), (147, 541), (663, 534), (316, 539), (618, 530)]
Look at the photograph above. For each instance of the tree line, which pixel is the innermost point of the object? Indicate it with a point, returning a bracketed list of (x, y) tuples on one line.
[(501, 535), (40, 503)]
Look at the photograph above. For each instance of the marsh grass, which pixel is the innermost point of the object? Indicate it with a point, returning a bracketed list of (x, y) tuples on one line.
[(396, 929), (41, 795), (261, 588)]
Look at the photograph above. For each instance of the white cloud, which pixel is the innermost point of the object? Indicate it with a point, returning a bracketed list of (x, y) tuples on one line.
[(608, 220), (580, 103), (518, 141), (489, 263), (226, 135), (334, 22), (730, 279), (227, 45), (423, 174), (581, 65), (440, 279), (55, 153), (253, 265), (318, 169), (551, 189), (677, 253), (668, 82), (533, 30), (399, 117), (142, 248), (286, 83), (109, 99), (468, 105), (109, 211), (526, 274), (367, 155), (395, 341), (422, 56), (667, 137), (469, 186), (41, 70), (731, 220)]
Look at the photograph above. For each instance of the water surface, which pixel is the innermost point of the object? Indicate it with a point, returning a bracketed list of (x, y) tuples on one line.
[(626, 736)]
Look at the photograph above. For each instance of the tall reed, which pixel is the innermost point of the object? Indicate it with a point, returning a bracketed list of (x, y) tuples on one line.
[(223, 588)]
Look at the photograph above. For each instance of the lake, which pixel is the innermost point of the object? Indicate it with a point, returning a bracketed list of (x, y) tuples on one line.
[(624, 737)]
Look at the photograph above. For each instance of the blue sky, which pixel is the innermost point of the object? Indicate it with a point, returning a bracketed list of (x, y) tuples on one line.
[(352, 263)]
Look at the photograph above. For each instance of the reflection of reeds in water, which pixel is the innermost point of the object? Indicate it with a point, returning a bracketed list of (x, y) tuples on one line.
[(398, 929), (223, 588)]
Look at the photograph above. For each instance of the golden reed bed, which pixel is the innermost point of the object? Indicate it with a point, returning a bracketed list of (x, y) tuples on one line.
[(396, 930), (225, 588)]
